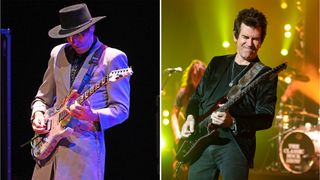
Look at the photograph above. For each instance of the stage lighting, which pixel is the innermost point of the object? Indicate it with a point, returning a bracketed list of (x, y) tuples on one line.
[(284, 5), (287, 34), (165, 113), (226, 44), (162, 143), (284, 52), (288, 79), (165, 121), (287, 27)]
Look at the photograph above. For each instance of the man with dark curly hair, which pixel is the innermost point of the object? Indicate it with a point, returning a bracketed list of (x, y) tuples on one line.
[(233, 154)]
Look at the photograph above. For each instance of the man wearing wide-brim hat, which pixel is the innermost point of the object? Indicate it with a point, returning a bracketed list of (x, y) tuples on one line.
[(72, 69)]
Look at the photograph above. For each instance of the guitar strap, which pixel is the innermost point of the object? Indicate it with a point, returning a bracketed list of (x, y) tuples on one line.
[(246, 79), (235, 90), (93, 62)]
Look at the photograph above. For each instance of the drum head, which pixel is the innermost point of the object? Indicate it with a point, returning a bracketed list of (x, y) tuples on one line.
[(297, 152)]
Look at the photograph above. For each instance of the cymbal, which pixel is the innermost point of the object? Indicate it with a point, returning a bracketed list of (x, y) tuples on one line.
[(305, 113), (294, 74)]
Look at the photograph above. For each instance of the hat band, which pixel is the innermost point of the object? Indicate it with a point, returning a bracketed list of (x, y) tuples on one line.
[(77, 27)]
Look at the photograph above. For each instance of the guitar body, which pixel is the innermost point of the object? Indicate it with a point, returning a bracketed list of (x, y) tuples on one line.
[(190, 148), (57, 120), (44, 145)]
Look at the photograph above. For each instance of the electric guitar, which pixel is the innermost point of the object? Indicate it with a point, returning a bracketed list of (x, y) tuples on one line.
[(190, 148), (57, 119)]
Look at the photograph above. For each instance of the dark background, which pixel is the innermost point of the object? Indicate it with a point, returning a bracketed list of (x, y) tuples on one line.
[(131, 26)]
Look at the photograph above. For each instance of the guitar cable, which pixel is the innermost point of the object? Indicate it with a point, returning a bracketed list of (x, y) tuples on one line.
[(24, 144)]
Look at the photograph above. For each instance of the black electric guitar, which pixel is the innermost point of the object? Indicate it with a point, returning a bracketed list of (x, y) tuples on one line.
[(57, 119), (190, 149)]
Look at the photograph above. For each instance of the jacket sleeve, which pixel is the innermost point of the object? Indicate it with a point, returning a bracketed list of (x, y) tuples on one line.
[(118, 93)]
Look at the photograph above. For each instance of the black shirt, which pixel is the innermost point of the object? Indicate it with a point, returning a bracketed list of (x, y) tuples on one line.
[(76, 60)]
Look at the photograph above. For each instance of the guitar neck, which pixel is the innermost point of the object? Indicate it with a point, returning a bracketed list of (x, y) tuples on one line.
[(113, 76), (230, 101), (269, 74), (243, 92), (83, 97), (63, 113)]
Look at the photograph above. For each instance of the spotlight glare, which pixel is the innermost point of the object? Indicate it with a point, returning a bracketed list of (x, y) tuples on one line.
[(284, 5), (165, 121), (287, 27), (162, 143), (288, 79), (225, 44), (284, 52), (285, 118), (287, 34), (165, 113)]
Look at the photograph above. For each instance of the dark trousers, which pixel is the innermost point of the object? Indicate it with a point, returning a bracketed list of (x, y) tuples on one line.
[(225, 159)]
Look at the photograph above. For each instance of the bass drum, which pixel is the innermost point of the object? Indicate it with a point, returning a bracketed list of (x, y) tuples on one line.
[(299, 150)]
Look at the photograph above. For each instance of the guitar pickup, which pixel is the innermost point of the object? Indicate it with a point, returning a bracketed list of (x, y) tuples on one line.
[(48, 125)]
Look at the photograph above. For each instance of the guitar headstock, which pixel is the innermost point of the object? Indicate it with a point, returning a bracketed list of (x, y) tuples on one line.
[(118, 74), (275, 71), (281, 67)]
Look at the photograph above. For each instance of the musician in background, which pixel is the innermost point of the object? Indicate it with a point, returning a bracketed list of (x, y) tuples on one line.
[(190, 80), (81, 155), (233, 154)]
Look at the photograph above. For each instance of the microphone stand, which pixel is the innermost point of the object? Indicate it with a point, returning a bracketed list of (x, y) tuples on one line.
[(165, 82), (158, 118), (170, 72)]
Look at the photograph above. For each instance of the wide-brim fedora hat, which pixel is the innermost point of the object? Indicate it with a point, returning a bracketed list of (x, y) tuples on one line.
[(73, 20)]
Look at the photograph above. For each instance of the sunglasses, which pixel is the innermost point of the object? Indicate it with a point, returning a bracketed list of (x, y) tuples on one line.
[(78, 36)]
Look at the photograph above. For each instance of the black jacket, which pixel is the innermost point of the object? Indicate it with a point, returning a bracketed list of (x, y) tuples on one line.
[(255, 111)]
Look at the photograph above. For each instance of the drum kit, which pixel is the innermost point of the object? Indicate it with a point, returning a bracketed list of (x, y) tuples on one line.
[(298, 134)]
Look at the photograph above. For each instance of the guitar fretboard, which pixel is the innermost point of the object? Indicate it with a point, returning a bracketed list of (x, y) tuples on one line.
[(92, 90), (251, 86), (113, 76)]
